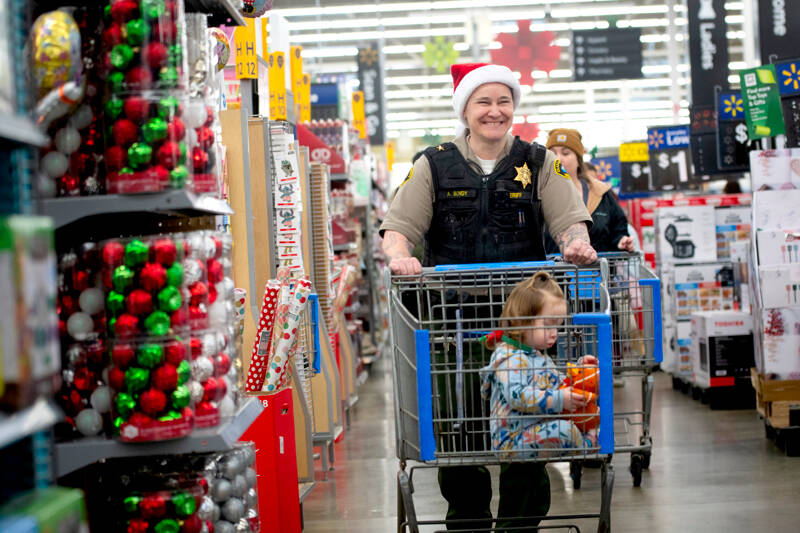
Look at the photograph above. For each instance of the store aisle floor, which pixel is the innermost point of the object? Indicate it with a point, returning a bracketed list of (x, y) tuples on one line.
[(711, 471)]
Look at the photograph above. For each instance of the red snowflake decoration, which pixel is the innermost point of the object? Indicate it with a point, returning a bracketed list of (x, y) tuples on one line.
[(525, 131), (527, 51)]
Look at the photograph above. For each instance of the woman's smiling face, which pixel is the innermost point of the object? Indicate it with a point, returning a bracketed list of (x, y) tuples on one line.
[(489, 112)]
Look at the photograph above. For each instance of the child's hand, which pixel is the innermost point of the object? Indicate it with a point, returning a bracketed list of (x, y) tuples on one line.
[(588, 360), (574, 399)]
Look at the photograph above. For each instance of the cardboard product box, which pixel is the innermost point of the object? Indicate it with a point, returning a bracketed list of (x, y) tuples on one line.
[(775, 169), (687, 234), (669, 332), (778, 353), (778, 246), (706, 287), (684, 350), (722, 347), (776, 209), (780, 285), (732, 225)]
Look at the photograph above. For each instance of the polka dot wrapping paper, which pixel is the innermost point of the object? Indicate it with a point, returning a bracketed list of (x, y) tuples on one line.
[(259, 356)]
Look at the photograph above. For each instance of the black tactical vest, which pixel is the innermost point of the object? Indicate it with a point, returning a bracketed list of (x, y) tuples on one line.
[(480, 219)]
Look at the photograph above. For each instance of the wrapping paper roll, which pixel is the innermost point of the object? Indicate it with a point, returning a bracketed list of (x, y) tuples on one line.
[(259, 357), (285, 334)]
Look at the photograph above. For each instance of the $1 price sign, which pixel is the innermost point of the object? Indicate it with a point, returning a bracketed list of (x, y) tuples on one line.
[(634, 169), (670, 167)]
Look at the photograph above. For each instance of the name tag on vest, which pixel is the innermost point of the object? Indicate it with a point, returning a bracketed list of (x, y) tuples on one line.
[(459, 194)]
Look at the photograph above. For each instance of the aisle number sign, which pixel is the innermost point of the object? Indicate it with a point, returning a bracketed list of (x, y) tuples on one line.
[(634, 170), (305, 99), (277, 86), (244, 39), (296, 74), (358, 114), (762, 102), (264, 36)]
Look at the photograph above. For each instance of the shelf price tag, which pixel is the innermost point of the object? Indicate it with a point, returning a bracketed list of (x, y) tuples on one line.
[(358, 114), (633, 167), (305, 99), (277, 86), (244, 38)]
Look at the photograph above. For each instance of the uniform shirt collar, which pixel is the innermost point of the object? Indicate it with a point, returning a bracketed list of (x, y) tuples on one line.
[(463, 147)]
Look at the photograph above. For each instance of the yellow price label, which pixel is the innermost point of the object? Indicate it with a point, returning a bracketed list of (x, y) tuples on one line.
[(244, 38), (359, 120), (633, 152), (305, 99), (277, 86)]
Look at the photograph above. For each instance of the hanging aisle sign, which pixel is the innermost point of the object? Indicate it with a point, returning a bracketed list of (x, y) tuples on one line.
[(277, 86), (762, 102), (244, 42), (305, 100), (359, 122), (708, 49), (607, 54), (668, 148), (778, 29), (296, 75), (371, 79), (789, 89), (634, 170), (733, 144)]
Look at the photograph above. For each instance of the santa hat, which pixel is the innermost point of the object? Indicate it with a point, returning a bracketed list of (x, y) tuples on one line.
[(469, 76)]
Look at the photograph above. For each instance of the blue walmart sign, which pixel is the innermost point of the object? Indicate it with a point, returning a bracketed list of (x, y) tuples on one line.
[(668, 137)]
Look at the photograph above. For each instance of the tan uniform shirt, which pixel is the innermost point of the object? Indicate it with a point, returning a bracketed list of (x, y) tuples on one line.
[(411, 210)]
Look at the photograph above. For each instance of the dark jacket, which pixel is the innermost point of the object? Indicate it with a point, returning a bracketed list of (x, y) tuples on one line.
[(609, 223)]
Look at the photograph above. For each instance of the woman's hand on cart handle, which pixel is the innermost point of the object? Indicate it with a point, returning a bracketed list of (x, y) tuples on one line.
[(626, 243), (398, 250), (575, 245)]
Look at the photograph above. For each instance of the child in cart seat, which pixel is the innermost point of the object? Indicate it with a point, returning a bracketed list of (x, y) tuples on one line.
[(521, 382)]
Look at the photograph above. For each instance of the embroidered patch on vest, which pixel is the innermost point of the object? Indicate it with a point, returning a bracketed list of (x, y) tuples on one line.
[(515, 195), (457, 194), (410, 175), (558, 168)]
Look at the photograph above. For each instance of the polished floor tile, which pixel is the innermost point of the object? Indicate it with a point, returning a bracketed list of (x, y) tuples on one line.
[(711, 471)]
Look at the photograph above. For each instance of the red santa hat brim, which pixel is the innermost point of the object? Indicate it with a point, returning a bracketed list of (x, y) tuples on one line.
[(480, 75)]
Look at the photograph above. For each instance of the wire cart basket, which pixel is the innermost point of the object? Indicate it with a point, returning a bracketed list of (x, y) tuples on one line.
[(635, 293), (438, 326)]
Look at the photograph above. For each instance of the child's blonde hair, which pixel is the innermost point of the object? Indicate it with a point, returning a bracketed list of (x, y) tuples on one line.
[(527, 299)]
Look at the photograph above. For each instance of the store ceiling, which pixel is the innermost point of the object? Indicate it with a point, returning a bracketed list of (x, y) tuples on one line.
[(418, 97)]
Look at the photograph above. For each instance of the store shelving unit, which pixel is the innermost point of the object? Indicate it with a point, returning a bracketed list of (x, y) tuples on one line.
[(24, 423), (18, 129), (220, 11)]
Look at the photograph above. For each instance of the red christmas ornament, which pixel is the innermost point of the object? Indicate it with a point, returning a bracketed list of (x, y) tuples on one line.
[(215, 271), (217, 247), (156, 55), (193, 524), (107, 277), (165, 252), (95, 352), (62, 328), (169, 154), (175, 352), (125, 132), (222, 389), (69, 185), (115, 158), (212, 294), (165, 377), (176, 130), (126, 326), (199, 293), (525, 51), (122, 355), (196, 346), (210, 390), (153, 506), (99, 323), (69, 305), (139, 302), (113, 254), (203, 482), (199, 159), (76, 401), (205, 408), (79, 163), (153, 401), (116, 379), (152, 277), (80, 280), (136, 108), (124, 10), (141, 420), (156, 177), (222, 364), (112, 36), (205, 137), (209, 115), (84, 379), (138, 525), (178, 318), (165, 31), (188, 414), (139, 78), (198, 315)]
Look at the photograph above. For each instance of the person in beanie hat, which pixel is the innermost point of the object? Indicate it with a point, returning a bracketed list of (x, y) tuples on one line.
[(484, 197), (609, 232)]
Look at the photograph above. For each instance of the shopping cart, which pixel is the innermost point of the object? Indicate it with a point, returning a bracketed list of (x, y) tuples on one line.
[(437, 324), (635, 293)]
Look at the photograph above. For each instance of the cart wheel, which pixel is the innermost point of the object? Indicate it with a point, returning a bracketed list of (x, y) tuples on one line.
[(575, 472), (636, 469), (646, 460)]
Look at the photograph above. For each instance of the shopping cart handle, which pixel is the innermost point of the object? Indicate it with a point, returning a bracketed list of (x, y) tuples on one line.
[(487, 266)]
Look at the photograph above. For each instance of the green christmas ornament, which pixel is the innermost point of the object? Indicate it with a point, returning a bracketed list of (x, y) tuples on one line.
[(169, 76), (118, 424), (125, 403), (169, 299), (121, 56), (135, 30), (107, 11), (150, 355), (136, 379), (182, 146), (184, 372), (168, 525), (115, 80), (181, 396), (115, 302), (168, 107), (136, 252), (114, 106), (139, 154), (157, 323), (155, 130), (177, 179), (175, 54), (184, 504), (125, 173), (131, 503), (154, 9), (175, 275), (122, 278)]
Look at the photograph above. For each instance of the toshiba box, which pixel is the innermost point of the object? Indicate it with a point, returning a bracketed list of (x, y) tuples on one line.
[(722, 347)]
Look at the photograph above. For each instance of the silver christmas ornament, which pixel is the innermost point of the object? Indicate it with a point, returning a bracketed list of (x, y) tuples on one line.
[(233, 509), (221, 490)]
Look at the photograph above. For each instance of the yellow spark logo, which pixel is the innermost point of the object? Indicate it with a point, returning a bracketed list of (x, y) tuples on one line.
[(792, 77), (733, 105)]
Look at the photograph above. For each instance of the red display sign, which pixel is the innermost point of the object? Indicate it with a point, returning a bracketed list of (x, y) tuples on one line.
[(320, 152)]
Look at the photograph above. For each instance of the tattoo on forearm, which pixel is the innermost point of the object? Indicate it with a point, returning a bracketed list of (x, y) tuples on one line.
[(396, 246), (575, 231)]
